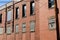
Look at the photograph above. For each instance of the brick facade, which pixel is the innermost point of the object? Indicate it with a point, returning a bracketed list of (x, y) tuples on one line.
[(41, 17)]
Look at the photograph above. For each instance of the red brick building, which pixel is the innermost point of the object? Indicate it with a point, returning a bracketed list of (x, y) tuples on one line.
[(28, 20)]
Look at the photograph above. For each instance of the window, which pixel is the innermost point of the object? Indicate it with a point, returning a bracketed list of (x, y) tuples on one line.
[(1, 30), (8, 30), (12, 27), (0, 18), (52, 24), (17, 29), (32, 26), (24, 10), (17, 12), (50, 3), (9, 15), (24, 27), (32, 5)]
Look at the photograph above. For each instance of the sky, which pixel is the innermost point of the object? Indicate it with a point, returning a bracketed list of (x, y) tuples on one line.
[(2, 2)]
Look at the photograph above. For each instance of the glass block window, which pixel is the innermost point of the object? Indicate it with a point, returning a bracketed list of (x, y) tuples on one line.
[(32, 26), (8, 30), (1, 31), (24, 27), (17, 28), (9, 15), (52, 23)]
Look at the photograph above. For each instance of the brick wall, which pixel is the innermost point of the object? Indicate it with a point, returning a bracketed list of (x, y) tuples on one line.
[(42, 13)]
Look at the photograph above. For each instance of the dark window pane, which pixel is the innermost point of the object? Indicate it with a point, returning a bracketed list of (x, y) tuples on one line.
[(17, 12), (51, 3), (32, 5), (0, 18), (24, 11)]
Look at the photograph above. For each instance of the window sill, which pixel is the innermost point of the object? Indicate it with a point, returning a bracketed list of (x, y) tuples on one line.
[(51, 7), (8, 33), (16, 18), (32, 14), (16, 32), (52, 29), (1, 34), (32, 31), (23, 32), (8, 22), (24, 17)]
